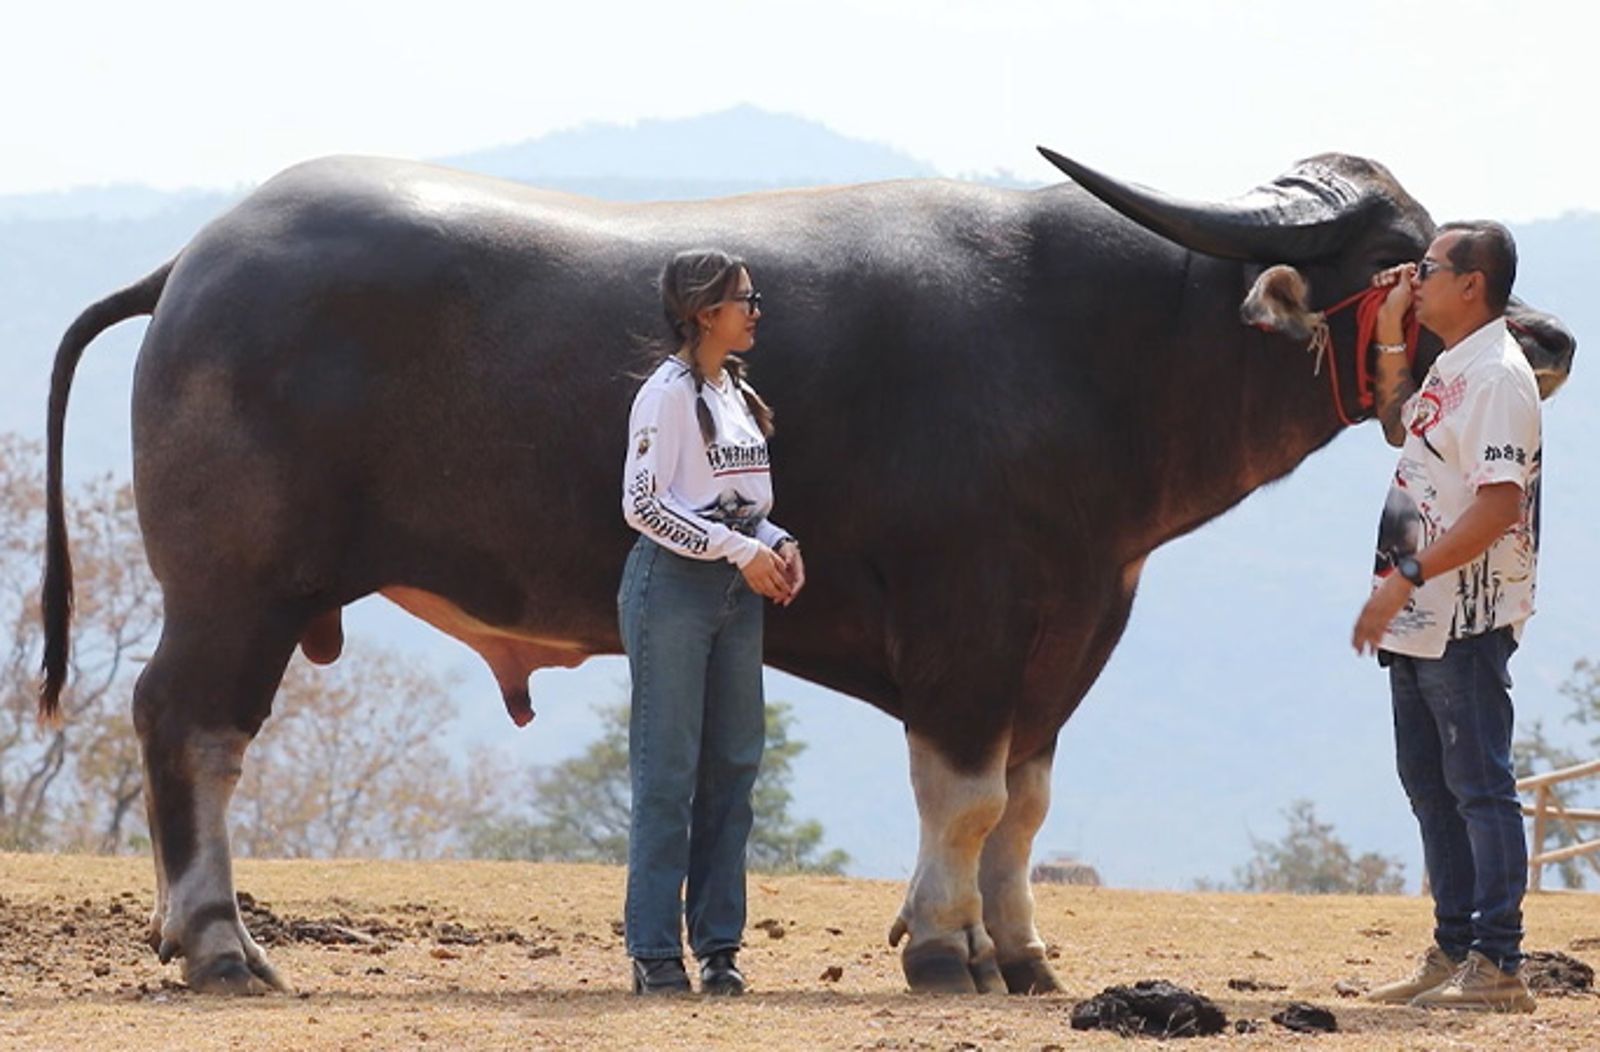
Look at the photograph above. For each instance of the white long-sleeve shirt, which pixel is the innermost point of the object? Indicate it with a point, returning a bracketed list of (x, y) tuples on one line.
[(702, 501)]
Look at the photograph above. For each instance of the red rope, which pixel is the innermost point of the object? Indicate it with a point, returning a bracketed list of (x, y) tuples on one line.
[(1367, 302)]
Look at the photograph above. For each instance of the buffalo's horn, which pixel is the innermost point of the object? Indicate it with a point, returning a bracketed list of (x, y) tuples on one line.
[(1300, 216)]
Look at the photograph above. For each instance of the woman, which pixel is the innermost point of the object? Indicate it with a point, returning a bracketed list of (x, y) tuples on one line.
[(696, 487)]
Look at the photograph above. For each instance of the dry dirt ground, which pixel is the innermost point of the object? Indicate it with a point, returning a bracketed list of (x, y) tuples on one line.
[(482, 955)]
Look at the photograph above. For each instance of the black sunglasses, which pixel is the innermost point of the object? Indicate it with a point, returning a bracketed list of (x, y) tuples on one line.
[(1426, 268), (751, 301)]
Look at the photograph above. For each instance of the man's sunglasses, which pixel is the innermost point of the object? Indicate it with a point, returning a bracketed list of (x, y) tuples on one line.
[(751, 301), (1426, 268)]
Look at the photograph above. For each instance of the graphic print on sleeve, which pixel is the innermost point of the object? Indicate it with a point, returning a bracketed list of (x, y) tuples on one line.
[(655, 517), (699, 499)]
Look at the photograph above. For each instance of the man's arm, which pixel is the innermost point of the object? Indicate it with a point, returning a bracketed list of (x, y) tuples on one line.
[(1393, 384), (1495, 509)]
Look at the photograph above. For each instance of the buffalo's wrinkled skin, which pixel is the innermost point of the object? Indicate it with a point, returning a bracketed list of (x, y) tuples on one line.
[(375, 376)]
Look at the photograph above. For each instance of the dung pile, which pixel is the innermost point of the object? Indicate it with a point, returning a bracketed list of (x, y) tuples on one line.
[(1305, 1018), (1550, 973), (1152, 1007)]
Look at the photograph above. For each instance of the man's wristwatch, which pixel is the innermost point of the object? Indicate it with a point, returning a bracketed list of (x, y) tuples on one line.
[(783, 541), (1410, 569)]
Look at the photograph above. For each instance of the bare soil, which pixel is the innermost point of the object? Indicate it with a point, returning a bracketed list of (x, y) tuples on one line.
[(484, 955)]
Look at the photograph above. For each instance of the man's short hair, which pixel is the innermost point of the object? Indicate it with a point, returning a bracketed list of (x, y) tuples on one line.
[(1488, 248)]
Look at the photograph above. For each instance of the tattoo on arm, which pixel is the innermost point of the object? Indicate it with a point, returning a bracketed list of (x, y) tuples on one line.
[(1392, 395)]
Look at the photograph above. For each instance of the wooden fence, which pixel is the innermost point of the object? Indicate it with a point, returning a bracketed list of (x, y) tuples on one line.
[(1547, 809)]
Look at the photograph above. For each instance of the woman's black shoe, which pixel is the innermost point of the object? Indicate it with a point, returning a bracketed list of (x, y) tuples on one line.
[(719, 975), (664, 975)]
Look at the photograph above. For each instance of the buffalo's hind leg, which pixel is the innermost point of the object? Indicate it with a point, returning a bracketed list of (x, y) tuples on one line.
[(197, 705), (1003, 880)]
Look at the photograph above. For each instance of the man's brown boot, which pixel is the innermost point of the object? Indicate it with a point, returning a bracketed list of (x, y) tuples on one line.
[(1479, 986), (1434, 968)]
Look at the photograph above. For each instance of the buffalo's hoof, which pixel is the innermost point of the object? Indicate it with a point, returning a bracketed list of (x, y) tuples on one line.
[(986, 976), (233, 976), (934, 968), (1030, 976)]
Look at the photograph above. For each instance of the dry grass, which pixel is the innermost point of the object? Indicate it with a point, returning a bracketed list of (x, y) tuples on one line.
[(74, 974)]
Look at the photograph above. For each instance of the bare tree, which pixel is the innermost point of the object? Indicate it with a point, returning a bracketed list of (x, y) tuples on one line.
[(70, 785), (351, 764)]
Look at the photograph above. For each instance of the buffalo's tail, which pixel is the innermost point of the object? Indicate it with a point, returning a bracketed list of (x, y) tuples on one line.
[(56, 598)]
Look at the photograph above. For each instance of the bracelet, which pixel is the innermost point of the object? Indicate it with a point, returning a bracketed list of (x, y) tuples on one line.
[(782, 541), (1390, 348)]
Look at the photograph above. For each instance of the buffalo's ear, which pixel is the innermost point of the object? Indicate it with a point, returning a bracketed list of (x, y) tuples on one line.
[(1277, 303)]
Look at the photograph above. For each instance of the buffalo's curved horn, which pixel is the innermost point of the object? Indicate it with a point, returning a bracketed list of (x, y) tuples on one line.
[(1304, 215)]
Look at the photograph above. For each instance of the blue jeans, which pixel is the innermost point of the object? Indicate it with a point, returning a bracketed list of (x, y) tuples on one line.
[(692, 631), (1452, 727)]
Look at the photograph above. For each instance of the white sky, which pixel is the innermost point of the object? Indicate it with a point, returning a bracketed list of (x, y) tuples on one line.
[(1482, 109)]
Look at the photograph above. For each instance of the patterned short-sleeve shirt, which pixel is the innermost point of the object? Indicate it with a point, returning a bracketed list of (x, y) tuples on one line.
[(1473, 422)]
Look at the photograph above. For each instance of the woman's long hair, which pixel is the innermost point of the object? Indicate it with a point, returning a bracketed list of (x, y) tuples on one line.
[(694, 280)]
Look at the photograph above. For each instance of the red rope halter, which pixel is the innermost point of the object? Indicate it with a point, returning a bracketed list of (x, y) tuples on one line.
[(1366, 302)]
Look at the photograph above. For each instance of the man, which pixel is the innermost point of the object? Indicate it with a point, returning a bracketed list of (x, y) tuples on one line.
[(1457, 548)]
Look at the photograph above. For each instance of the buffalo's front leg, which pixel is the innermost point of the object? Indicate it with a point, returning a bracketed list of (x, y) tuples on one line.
[(949, 951), (1003, 880)]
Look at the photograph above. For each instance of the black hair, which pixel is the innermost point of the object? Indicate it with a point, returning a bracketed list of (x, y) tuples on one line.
[(1488, 248)]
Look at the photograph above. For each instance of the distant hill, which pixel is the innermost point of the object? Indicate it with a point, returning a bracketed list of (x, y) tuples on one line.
[(1233, 692), (735, 150), (111, 203)]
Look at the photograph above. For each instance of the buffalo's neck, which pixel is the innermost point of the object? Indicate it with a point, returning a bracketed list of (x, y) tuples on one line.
[(1233, 409)]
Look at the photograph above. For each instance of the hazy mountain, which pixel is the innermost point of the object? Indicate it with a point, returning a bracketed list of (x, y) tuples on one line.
[(114, 202), (1233, 692), (739, 149)]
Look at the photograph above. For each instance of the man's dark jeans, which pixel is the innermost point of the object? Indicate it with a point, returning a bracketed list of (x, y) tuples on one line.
[(1452, 727)]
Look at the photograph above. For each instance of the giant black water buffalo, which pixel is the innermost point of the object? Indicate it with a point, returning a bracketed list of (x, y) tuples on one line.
[(376, 376)]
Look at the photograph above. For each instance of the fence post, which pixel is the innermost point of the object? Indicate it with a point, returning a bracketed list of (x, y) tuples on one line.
[(1541, 805)]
